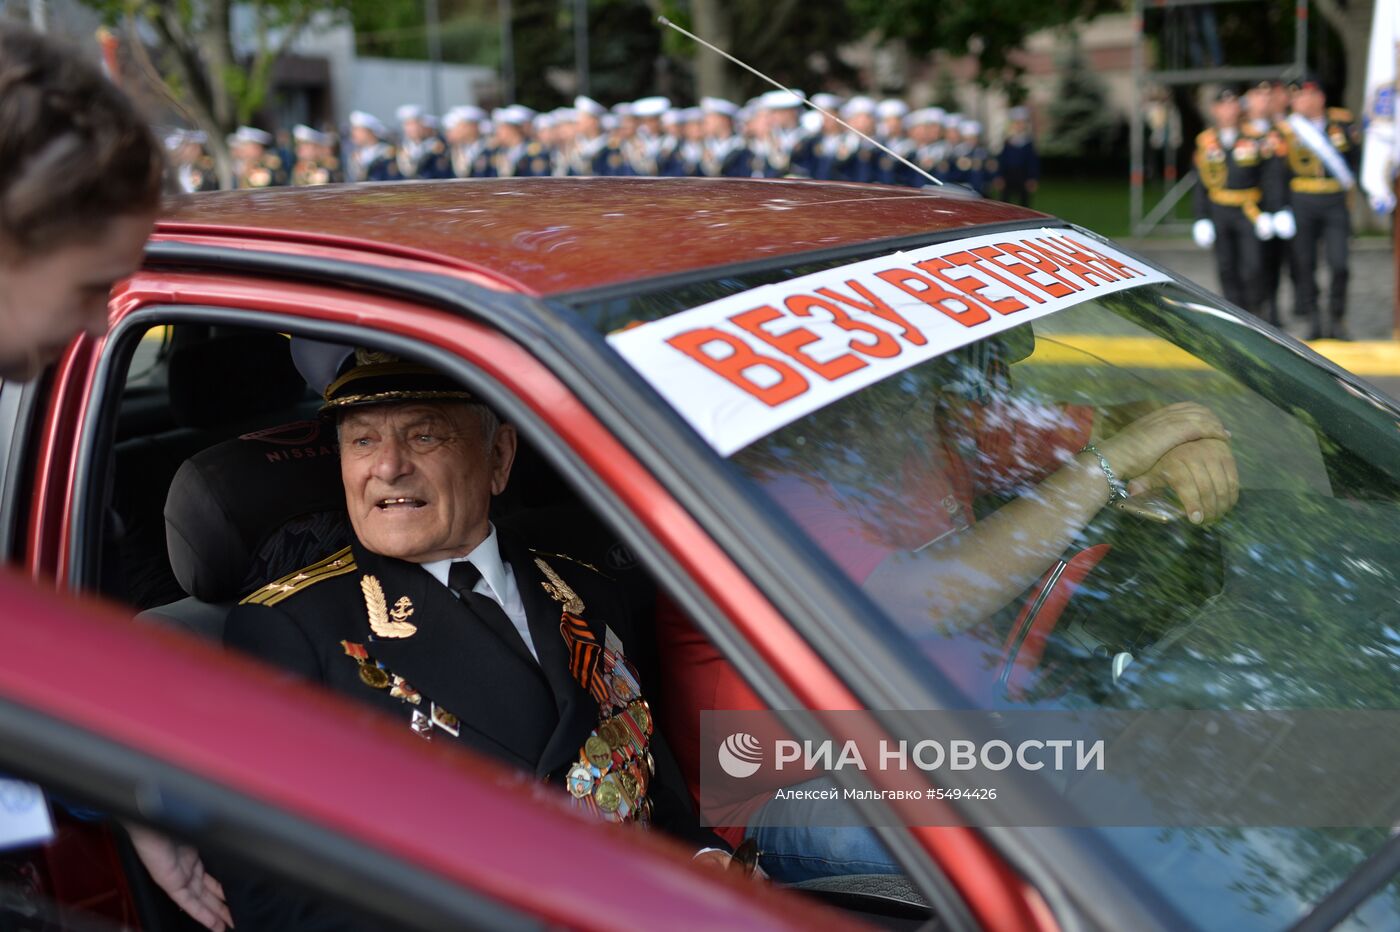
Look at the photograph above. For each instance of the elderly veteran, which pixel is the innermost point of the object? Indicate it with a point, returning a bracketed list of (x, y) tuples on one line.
[(454, 627)]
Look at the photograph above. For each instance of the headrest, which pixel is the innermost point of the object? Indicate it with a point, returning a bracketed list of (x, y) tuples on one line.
[(230, 379), (225, 502)]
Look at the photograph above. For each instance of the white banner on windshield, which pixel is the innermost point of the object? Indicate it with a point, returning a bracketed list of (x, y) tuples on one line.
[(742, 367)]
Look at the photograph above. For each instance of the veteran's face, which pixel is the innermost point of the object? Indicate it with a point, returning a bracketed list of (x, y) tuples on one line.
[(419, 477)]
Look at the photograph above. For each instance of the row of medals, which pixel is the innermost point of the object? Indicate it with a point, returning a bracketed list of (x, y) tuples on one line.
[(615, 764)]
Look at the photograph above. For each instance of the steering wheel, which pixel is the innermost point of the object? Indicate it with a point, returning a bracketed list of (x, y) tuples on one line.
[(1136, 544)]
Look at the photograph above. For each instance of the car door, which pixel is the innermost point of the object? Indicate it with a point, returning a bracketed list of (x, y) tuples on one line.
[(69, 506)]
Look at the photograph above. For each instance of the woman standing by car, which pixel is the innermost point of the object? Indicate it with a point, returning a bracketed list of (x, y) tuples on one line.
[(80, 186)]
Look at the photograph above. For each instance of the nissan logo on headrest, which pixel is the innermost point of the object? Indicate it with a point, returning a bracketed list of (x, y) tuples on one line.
[(295, 434)]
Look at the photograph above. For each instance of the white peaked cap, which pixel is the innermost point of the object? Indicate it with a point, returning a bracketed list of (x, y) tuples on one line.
[(780, 100), (719, 105), (367, 121), (463, 114), (515, 115), (252, 134), (303, 133), (858, 105), (891, 108), (650, 107), (589, 105)]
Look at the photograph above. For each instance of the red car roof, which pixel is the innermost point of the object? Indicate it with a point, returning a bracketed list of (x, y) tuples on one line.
[(553, 235)]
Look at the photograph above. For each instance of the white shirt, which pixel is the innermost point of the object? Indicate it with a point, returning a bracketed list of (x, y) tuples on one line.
[(497, 583)]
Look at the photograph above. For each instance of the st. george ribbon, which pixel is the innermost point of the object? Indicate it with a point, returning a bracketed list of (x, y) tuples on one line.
[(824, 112)]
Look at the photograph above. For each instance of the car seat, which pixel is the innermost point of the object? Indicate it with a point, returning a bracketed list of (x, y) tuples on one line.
[(240, 511)]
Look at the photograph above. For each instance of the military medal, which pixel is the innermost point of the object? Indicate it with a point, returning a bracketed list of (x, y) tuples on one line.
[(401, 690), (599, 754), (371, 674), (445, 720), (421, 724), (579, 780), (607, 795)]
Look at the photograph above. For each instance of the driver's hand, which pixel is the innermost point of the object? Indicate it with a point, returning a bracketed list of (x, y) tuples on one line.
[(1138, 447), (180, 873), (1202, 473), (720, 860)]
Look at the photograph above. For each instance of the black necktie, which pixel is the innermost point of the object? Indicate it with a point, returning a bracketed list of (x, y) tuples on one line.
[(461, 578)]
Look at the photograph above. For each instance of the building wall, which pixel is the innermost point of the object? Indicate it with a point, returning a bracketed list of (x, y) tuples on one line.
[(381, 85)]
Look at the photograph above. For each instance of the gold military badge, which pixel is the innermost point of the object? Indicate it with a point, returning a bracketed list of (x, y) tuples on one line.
[(383, 622)]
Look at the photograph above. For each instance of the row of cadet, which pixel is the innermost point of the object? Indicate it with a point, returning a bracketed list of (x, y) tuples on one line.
[(1277, 167), (771, 137)]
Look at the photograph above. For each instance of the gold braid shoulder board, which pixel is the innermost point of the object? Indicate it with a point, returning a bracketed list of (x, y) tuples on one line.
[(337, 564)]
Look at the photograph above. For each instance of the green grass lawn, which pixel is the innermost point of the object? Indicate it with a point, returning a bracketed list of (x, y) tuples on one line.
[(1099, 204)]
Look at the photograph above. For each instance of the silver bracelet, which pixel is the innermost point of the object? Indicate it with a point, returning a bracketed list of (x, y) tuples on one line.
[(1117, 491)]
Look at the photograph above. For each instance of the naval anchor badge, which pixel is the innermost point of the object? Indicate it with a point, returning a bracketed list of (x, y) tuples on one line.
[(385, 623)]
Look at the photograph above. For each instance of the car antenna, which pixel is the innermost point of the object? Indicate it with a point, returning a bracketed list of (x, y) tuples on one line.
[(822, 110)]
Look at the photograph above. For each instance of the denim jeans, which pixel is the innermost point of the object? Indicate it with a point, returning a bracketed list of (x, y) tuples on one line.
[(798, 843)]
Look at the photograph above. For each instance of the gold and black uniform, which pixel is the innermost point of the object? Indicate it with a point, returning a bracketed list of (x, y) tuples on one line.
[(1319, 199), (1239, 181)]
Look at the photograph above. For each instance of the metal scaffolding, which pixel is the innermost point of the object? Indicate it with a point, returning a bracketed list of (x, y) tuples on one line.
[(1142, 221)]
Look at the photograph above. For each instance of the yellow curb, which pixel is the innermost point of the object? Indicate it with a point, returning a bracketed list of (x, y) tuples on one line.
[(1364, 357)]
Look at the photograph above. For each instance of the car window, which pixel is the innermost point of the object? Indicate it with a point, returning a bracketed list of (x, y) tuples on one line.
[(951, 485)]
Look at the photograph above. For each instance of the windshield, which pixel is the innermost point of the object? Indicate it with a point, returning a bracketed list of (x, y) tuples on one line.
[(1254, 564)]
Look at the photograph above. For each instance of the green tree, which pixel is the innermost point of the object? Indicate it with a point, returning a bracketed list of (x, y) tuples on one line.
[(1081, 122), (195, 55), (962, 27)]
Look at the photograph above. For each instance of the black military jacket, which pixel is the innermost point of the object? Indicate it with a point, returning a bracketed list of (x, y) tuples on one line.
[(533, 716), (1249, 163), (1306, 173)]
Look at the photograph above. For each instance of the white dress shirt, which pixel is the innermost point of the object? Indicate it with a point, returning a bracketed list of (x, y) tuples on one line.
[(497, 583)]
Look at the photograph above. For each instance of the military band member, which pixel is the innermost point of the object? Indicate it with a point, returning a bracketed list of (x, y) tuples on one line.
[(593, 152), (1323, 147), (856, 159), (926, 138), (725, 155), (371, 157), (422, 153), (467, 150), (778, 135), (316, 162), (514, 154), (254, 166), (193, 170), (641, 152), (890, 131), (456, 628), (1235, 200)]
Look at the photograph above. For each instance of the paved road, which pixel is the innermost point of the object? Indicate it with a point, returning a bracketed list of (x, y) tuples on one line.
[(1370, 306)]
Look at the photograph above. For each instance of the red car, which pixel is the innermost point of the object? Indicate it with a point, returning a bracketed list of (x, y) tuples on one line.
[(754, 398)]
